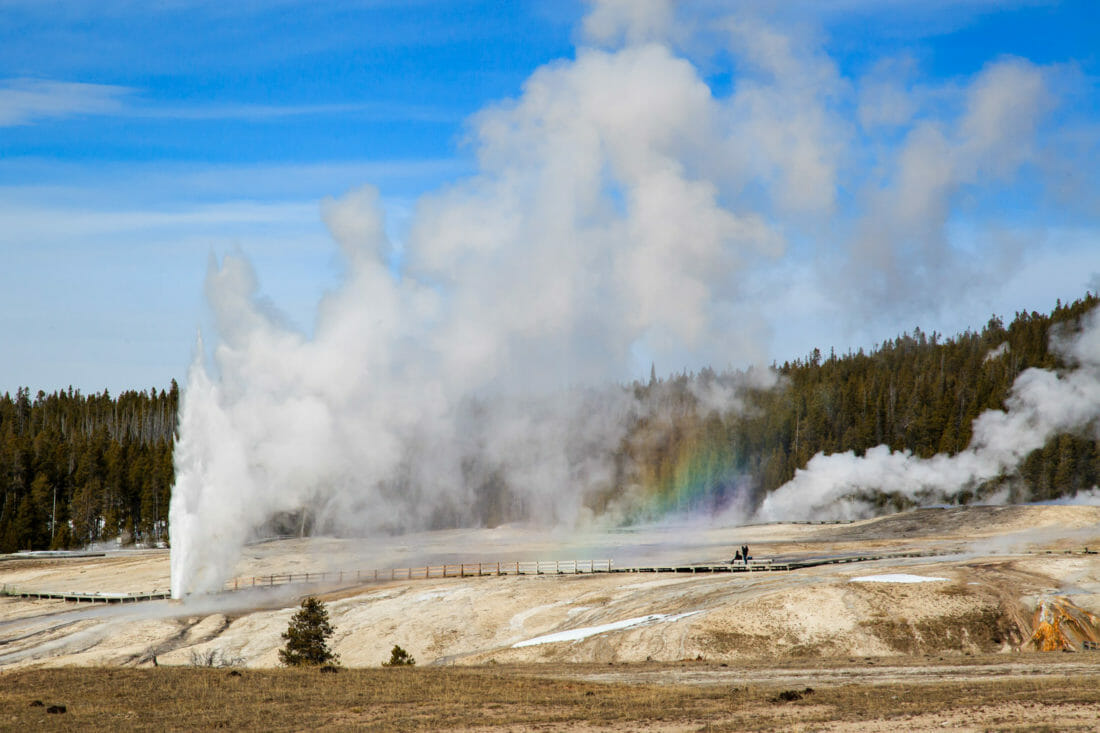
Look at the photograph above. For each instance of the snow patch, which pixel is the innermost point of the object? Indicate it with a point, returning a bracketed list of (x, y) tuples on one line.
[(896, 578), (586, 631)]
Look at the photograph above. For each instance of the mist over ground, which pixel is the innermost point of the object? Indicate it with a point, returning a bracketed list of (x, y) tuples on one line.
[(625, 213)]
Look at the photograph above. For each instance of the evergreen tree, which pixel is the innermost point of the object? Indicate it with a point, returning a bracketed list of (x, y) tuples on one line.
[(399, 658), (307, 637)]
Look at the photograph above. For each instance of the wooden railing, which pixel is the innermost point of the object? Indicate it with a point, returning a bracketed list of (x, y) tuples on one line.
[(80, 597), (469, 570), (424, 572)]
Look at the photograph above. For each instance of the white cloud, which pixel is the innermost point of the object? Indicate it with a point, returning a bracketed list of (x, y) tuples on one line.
[(785, 126), (1005, 105), (21, 223), (629, 22), (901, 255), (263, 112), (25, 101), (36, 182), (886, 97)]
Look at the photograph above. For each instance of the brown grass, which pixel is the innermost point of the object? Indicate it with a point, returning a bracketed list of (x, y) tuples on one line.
[(985, 630), (487, 698)]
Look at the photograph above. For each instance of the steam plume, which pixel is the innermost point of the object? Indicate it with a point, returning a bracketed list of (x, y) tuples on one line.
[(589, 238), (620, 214), (1041, 404)]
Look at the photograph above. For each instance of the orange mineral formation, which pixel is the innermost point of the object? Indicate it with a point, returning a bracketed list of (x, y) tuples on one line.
[(1060, 625)]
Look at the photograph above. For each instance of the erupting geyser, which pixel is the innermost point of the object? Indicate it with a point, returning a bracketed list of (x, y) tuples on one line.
[(571, 254), (623, 213)]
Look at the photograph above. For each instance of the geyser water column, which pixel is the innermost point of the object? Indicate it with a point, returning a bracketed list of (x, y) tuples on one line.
[(212, 481)]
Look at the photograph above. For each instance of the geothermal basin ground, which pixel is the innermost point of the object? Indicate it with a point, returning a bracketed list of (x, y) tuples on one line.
[(959, 596)]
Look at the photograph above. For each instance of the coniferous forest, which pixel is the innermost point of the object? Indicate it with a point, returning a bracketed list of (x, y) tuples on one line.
[(918, 392), (78, 469)]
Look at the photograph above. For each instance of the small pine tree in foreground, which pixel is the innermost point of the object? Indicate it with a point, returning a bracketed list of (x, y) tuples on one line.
[(307, 637), (399, 658)]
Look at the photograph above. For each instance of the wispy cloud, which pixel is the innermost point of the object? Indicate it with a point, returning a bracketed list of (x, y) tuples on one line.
[(24, 101), (101, 185), (49, 222), (944, 13), (385, 111)]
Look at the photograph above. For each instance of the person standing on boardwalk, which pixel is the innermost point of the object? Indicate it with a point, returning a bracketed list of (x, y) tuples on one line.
[(745, 553)]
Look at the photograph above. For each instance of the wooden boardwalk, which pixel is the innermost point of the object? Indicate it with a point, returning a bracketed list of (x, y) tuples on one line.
[(86, 597), (543, 567), (350, 578), (425, 572)]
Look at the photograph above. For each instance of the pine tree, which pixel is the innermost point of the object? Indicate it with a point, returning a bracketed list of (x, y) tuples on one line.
[(307, 637), (399, 658)]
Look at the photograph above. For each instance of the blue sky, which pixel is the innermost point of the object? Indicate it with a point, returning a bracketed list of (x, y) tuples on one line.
[(138, 140)]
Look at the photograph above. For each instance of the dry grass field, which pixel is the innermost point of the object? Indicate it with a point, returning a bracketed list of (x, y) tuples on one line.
[(519, 699)]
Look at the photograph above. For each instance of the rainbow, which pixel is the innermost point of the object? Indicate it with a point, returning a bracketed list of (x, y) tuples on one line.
[(690, 475)]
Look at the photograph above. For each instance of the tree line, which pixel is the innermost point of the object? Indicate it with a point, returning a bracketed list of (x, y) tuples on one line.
[(918, 392), (77, 469)]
